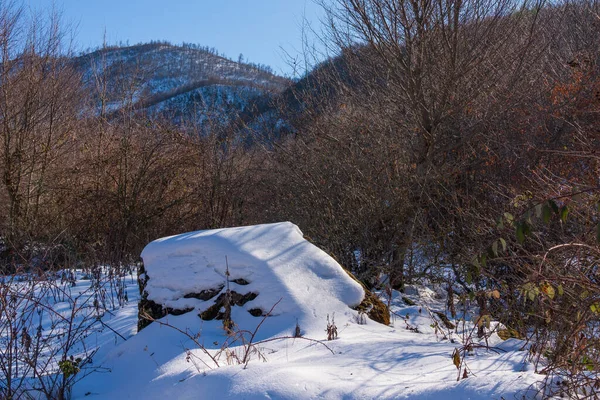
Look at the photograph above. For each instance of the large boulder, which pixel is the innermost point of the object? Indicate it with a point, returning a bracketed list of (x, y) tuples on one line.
[(239, 275)]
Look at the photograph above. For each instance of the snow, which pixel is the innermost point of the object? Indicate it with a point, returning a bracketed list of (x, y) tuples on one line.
[(163, 68), (411, 358), (279, 264), (369, 361), (57, 311)]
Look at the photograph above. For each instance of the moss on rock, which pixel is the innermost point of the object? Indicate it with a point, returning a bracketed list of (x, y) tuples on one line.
[(374, 308), (372, 304)]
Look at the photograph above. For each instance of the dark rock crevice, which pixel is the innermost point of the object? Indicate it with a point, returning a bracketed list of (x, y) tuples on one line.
[(205, 294), (147, 311), (176, 311), (256, 312), (226, 301)]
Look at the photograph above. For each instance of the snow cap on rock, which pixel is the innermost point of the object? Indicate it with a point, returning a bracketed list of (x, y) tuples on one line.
[(273, 261)]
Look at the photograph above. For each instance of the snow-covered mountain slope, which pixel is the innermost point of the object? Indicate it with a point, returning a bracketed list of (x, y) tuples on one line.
[(184, 357), (149, 76)]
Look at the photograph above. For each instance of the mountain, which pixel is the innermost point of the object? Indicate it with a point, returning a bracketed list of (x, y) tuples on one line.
[(184, 83)]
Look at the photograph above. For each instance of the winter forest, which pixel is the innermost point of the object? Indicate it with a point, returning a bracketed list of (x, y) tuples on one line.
[(446, 156)]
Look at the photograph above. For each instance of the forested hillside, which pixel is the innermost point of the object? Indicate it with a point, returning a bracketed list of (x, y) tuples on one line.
[(448, 141), (183, 83)]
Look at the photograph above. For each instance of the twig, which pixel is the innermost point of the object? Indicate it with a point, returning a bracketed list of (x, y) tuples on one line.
[(292, 337), (106, 326), (253, 335), (192, 338)]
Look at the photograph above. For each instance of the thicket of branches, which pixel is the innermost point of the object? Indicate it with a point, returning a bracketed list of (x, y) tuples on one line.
[(458, 140), (447, 140), (82, 184)]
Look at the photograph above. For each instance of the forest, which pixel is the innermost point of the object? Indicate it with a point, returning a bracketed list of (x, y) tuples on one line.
[(447, 141)]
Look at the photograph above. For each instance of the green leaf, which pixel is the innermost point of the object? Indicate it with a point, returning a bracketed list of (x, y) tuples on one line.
[(484, 320), (520, 234), (483, 261), (564, 212), (548, 290), (538, 210), (560, 289), (509, 217), (469, 277), (530, 291), (495, 248), (69, 367), (503, 242), (546, 213), (527, 217)]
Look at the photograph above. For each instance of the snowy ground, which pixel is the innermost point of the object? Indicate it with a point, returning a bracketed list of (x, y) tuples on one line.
[(412, 358), (368, 361), (66, 318)]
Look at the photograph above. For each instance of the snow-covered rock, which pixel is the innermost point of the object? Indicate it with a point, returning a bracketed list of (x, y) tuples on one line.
[(268, 269)]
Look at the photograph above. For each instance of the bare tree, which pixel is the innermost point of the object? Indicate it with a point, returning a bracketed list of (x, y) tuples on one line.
[(420, 82), (38, 100)]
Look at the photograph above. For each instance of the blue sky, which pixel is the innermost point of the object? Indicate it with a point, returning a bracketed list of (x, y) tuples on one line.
[(256, 28)]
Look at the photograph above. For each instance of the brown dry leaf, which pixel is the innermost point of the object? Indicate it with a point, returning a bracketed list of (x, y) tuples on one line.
[(456, 358)]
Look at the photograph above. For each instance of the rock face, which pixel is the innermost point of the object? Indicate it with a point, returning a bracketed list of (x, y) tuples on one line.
[(239, 275)]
